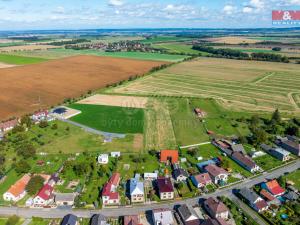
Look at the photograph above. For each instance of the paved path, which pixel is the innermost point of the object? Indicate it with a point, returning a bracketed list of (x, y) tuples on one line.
[(203, 143), (26, 222), (121, 211), (248, 210)]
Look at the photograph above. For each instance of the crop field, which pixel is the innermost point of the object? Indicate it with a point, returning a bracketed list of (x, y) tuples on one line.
[(236, 84), (46, 84), (110, 118), (162, 39), (177, 48), (61, 53), (19, 60), (26, 48), (232, 40)]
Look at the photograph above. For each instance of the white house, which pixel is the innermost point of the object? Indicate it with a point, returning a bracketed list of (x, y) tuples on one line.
[(44, 197), (150, 176), (115, 154), (17, 191), (163, 217), (103, 159), (136, 189)]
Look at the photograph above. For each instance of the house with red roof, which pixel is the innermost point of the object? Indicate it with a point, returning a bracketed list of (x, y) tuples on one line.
[(169, 156), (45, 196), (17, 191), (217, 174), (40, 116), (8, 125), (201, 180), (165, 188), (110, 195), (273, 187), (269, 198)]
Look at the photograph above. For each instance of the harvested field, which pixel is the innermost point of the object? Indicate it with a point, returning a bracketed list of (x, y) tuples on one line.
[(26, 48), (237, 84), (116, 100), (31, 87), (232, 40), (5, 65)]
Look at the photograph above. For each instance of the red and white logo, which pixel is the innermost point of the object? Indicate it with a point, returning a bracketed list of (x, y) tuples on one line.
[(285, 15)]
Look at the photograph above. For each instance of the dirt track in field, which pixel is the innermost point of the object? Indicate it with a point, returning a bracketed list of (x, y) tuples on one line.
[(25, 89), (4, 65)]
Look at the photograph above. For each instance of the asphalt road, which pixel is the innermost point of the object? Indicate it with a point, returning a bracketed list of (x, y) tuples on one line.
[(121, 211)]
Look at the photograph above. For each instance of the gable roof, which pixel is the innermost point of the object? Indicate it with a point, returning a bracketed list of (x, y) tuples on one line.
[(136, 187), (46, 192), (201, 165), (267, 195), (163, 216), (211, 221), (8, 124), (180, 172), (115, 179), (238, 148), (185, 213), (274, 187), (19, 187), (164, 184), (244, 159), (215, 170), (215, 205), (249, 194), (202, 178), (98, 219), (131, 220), (165, 154), (69, 219)]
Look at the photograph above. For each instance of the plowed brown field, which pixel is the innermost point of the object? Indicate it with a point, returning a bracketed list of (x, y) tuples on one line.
[(25, 89)]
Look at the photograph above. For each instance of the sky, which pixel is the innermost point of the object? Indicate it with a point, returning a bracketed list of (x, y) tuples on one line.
[(89, 14)]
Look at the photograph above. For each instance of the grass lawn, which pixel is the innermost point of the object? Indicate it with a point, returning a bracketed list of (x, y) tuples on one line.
[(39, 221), (110, 119), (295, 177), (19, 60), (4, 220), (179, 48), (267, 162)]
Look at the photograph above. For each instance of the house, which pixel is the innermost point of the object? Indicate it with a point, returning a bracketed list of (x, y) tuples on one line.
[(165, 188), (110, 195), (150, 176), (64, 199), (180, 174), (254, 200), (223, 145), (216, 208), (217, 174), (290, 143), (186, 215), (291, 196), (202, 165), (98, 219), (42, 115), (211, 221), (17, 191), (270, 199), (69, 219), (280, 154), (238, 148), (169, 156), (201, 180), (115, 154), (103, 159), (53, 179), (8, 125), (162, 217), (273, 187), (136, 190), (245, 162), (1, 135), (131, 220), (44, 197), (255, 154)]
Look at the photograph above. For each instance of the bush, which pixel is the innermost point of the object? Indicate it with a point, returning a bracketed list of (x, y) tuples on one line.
[(13, 220)]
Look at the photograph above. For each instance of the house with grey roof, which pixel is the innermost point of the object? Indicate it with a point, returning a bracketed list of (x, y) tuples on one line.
[(289, 143), (64, 199), (253, 199), (180, 174), (245, 161), (280, 154), (162, 217), (69, 219), (238, 148), (137, 189), (291, 196), (98, 219), (186, 215)]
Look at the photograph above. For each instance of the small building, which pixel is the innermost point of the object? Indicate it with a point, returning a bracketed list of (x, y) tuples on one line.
[(291, 196), (131, 220), (45, 196), (217, 174), (115, 154), (98, 219), (69, 219), (201, 180), (280, 154), (110, 195), (187, 216), (216, 208), (8, 125), (103, 159), (180, 174), (165, 188), (273, 187), (41, 115), (255, 154), (245, 162), (270, 199), (150, 176), (17, 191), (137, 194), (169, 156), (254, 200), (238, 148), (199, 112), (203, 164), (64, 199), (162, 217), (211, 221), (290, 143)]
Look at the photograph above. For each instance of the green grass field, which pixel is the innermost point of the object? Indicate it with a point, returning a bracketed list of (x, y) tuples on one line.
[(11, 178), (19, 60), (179, 48), (60, 53), (237, 84), (295, 177), (161, 39), (110, 119)]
